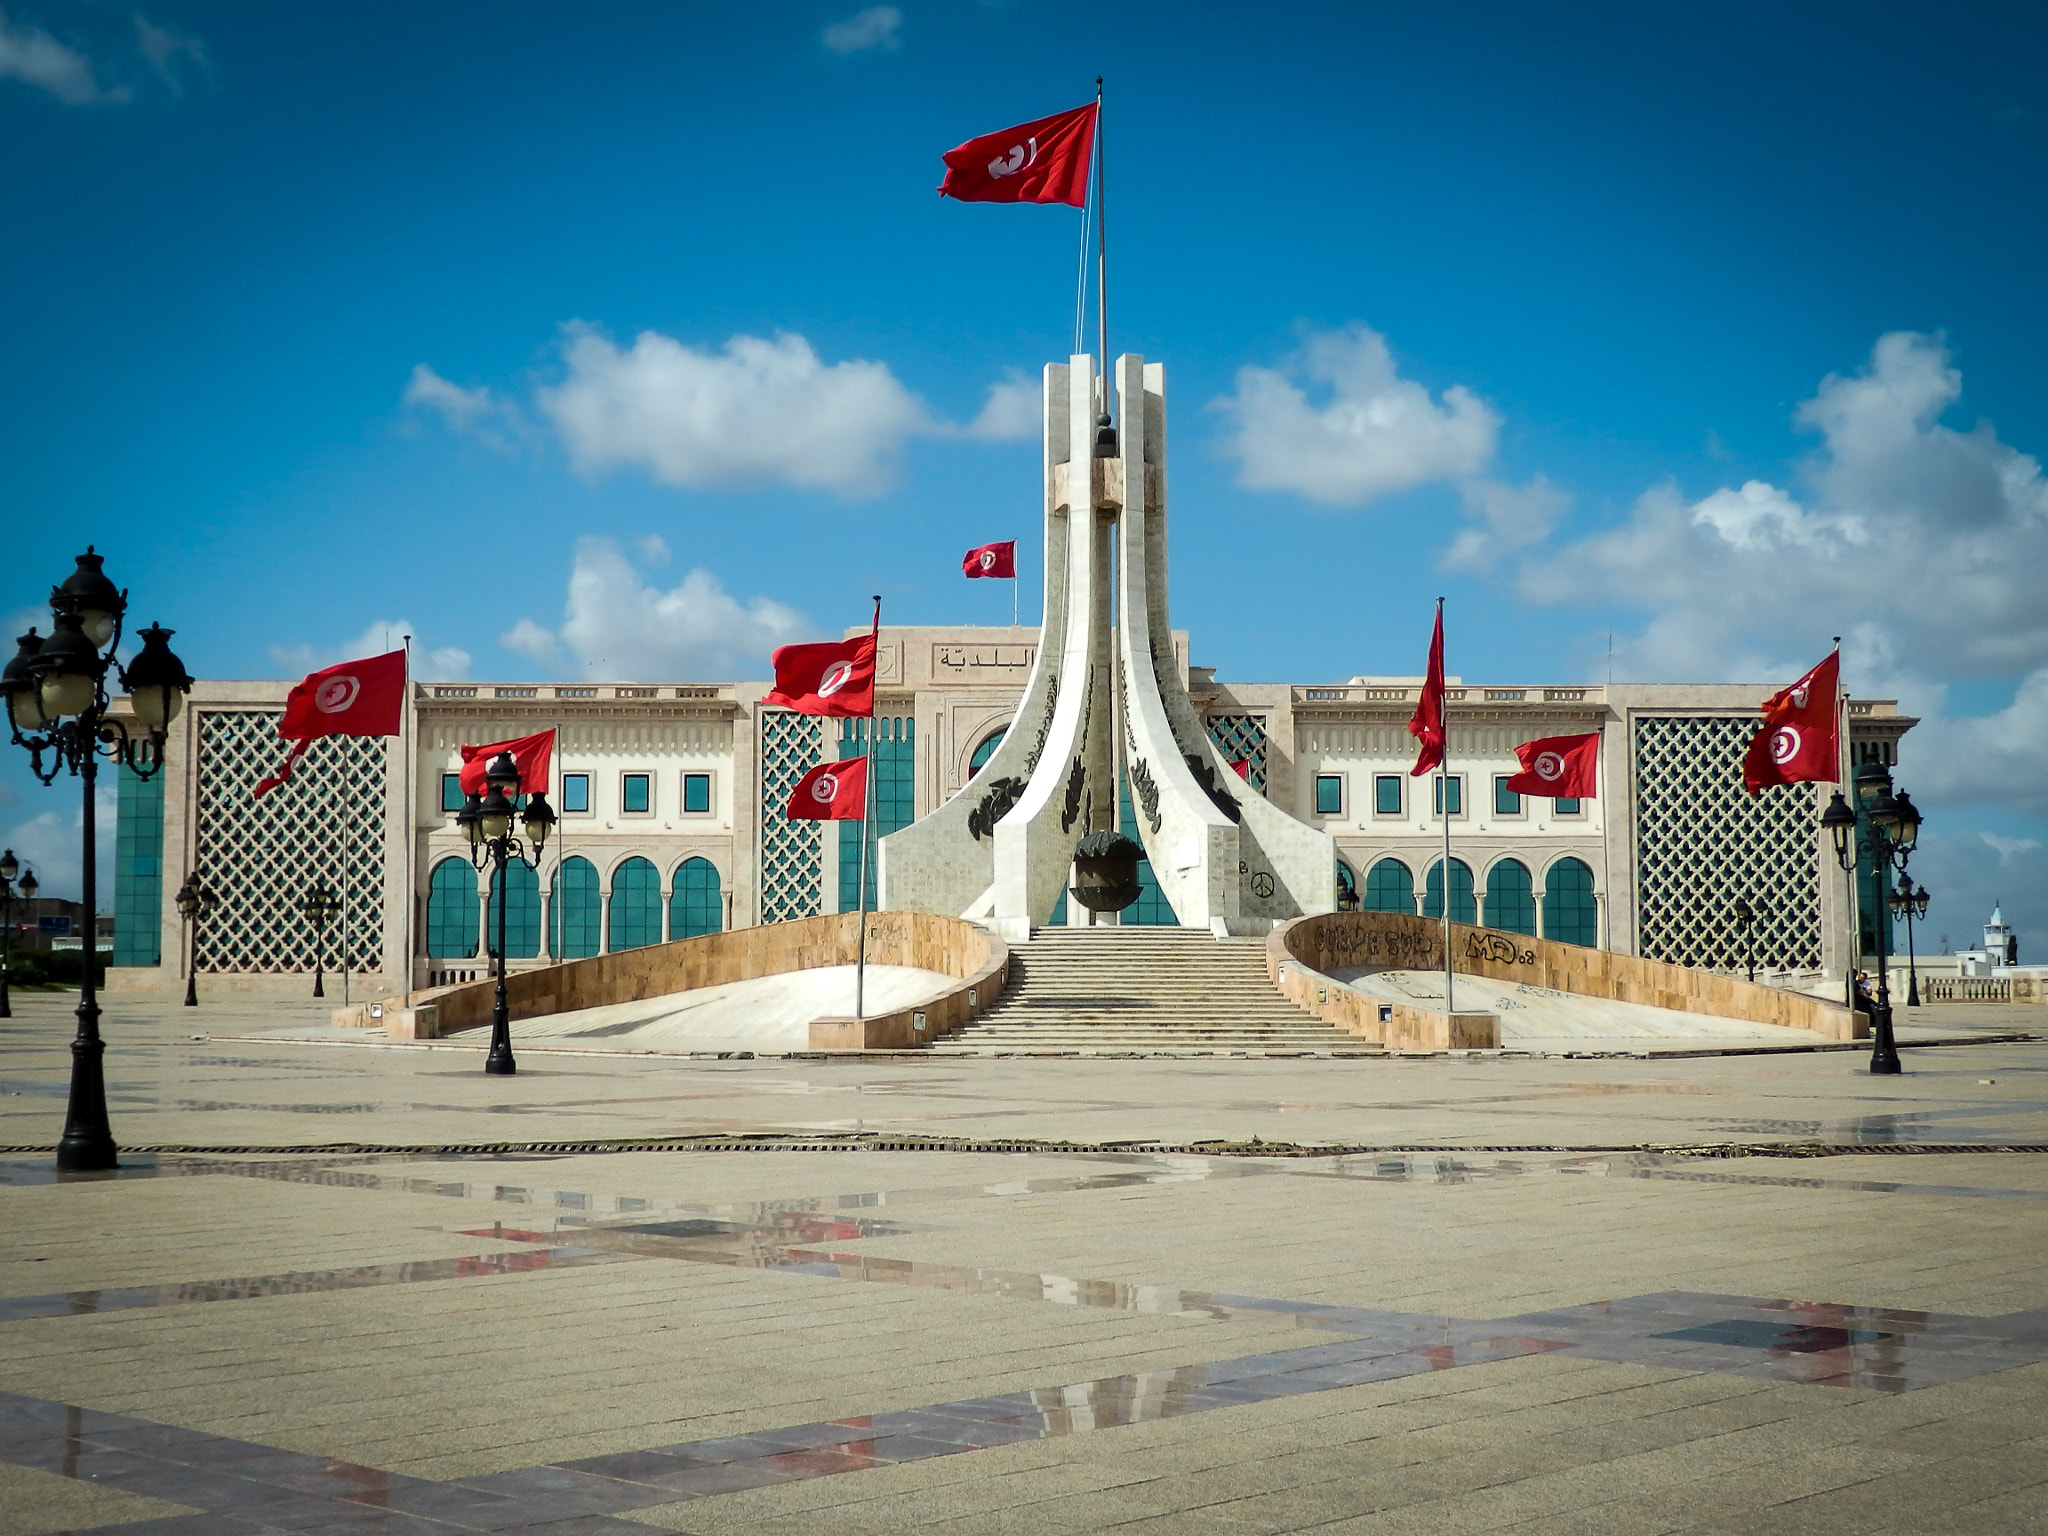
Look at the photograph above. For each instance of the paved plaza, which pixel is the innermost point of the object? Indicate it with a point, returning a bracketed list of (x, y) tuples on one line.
[(1616, 1335)]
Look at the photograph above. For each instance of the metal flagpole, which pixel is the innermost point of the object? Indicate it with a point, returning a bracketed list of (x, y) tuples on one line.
[(351, 780), (867, 822), (411, 790), (1853, 897), (1101, 255), (1444, 806)]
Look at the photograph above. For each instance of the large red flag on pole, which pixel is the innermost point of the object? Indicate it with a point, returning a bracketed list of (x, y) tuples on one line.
[(1045, 161), (831, 792), (533, 755), (828, 677), (1427, 726), (1799, 742), (351, 698), (1559, 767), (992, 560)]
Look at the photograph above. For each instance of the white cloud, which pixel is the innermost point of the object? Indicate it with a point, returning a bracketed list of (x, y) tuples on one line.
[(479, 412), (444, 664), (2008, 848), (50, 842), (1014, 411), (170, 52), (1372, 433), (758, 412), (874, 27), (617, 626), (1512, 517), (31, 55)]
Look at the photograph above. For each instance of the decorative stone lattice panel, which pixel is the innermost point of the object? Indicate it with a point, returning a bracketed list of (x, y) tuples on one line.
[(1239, 737), (1702, 843), (792, 852), (260, 856)]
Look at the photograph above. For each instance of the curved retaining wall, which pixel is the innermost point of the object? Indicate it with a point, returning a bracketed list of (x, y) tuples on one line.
[(976, 958), (1301, 954)]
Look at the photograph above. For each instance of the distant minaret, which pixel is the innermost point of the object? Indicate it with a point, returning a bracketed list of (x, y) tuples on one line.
[(2001, 944)]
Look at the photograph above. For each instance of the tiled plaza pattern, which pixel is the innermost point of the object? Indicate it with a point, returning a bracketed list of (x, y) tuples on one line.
[(778, 1342)]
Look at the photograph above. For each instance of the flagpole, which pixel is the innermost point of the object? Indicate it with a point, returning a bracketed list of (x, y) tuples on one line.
[(350, 780), (1101, 254), (867, 822), (410, 791), (1852, 925), (1444, 806)]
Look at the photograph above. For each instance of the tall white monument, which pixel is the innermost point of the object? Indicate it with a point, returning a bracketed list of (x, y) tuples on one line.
[(1105, 697)]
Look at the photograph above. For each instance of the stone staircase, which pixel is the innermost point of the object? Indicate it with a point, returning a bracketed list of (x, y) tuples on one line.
[(1144, 992)]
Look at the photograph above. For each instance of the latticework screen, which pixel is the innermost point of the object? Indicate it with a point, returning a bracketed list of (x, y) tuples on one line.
[(792, 852), (1240, 738), (261, 856), (1702, 844)]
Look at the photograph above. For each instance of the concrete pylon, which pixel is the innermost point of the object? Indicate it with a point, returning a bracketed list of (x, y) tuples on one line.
[(1105, 698)]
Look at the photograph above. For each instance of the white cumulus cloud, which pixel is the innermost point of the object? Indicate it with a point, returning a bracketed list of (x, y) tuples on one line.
[(619, 626), (756, 412), (875, 27), (171, 53), (443, 664), (1367, 432), (31, 55), (478, 411), (1511, 517), (1013, 411)]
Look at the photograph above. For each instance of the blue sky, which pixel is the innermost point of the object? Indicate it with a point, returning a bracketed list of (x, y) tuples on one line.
[(637, 335)]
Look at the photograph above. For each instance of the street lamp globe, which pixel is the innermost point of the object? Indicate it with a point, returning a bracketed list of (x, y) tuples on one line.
[(468, 820), (10, 866), (91, 598), (29, 885), (1905, 828), (494, 816), (67, 668), (18, 682), (538, 819), (156, 680), (1840, 823)]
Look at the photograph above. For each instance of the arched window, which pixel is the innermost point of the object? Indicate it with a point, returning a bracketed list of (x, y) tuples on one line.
[(695, 907), (1390, 887), (636, 905), (521, 937), (985, 751), (1511, 898), (451, 911), (1571, 915), (1347, 886), (1464, 909), (574, 920)]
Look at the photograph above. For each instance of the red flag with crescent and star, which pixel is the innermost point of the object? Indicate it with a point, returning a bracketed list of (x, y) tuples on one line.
[(1427, 726), (992, 560), (828, 677), (1559, 767), (533, 755), (1038, 162), (1801, 741), (351, 698), (831, 792)]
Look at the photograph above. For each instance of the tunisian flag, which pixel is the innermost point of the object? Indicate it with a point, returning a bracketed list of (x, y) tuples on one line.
[(1561, 767), (1041, 162), (1801, 738), (533, 755), (992, 560), (1428, 725), (829, 677), (352, 698), (831, 792)]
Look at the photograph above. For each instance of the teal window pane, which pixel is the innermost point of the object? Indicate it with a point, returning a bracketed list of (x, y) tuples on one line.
[(636, 905), (576, 792), (1511, 898), (894, 791), (1329, 794), (1567, 805), (1571, 915), (1059, 910), (985, 751), (695, 906), (1464, 905), (519, 939), (451, 911), (138, 869), (451, 791), (636, 794), (1457, 798), (574, 917), (1151, 909), (1506, 802), (1390, 887), (1386, 794), (696, 792)]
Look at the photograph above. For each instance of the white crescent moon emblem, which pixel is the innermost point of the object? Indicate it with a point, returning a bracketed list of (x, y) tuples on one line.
[(824, 787), (988, 559), (836, 677), (1549, 766), (1018, 157), (336, 694), (1784, 744)]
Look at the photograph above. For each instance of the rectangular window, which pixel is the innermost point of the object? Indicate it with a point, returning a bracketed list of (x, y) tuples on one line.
[(576, 793), (1329, 794), (451, 791), (1506, 802), (696, 793), (1567, 805), (636, 793), (1457, 794), (1386, 794)]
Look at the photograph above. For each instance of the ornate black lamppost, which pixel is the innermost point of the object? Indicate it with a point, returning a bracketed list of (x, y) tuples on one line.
[(487, 819), (321, 907), (10, 867), (1745, 924), (57, 706), (1910, 902), (1894, 828), (194, 901)]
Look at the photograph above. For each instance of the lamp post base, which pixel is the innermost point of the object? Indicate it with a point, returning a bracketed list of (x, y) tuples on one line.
[(1884, 1050), (87, 1145)]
